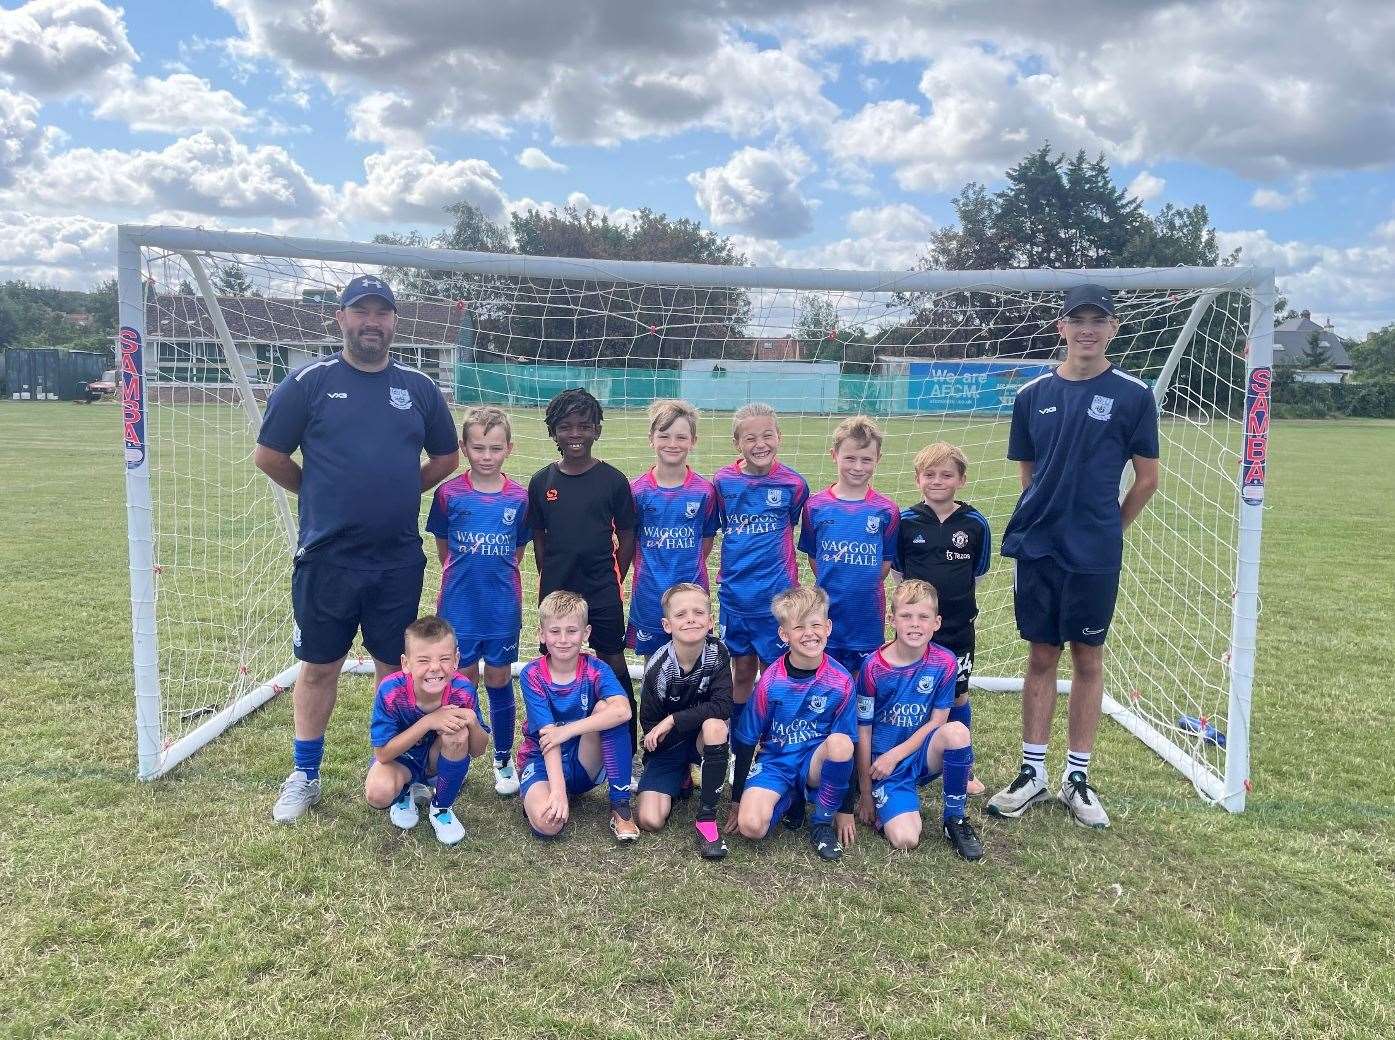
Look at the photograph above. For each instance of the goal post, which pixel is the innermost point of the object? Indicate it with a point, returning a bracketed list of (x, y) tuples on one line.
[(210, 321)]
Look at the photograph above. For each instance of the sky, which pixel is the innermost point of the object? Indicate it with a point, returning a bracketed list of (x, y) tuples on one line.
[(815, 134)]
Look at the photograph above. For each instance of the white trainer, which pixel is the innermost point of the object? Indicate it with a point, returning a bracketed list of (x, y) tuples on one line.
[(403, 812), (422, 792), (449, 830), (298, 793), (505, 780), (1017, 797), (1083, 801)]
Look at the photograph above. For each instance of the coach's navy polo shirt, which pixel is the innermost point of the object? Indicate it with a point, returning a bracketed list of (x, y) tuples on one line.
[(1079, 434), (360, 436)]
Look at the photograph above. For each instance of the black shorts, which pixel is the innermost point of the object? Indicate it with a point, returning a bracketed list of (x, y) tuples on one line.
[(1055, 606), (961, 644), (332, 603)]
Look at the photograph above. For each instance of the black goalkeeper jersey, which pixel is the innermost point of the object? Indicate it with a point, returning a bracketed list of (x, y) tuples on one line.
[(950, 555), (691, 697)]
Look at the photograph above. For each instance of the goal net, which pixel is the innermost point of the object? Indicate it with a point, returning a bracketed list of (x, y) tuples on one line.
[(211, 321)]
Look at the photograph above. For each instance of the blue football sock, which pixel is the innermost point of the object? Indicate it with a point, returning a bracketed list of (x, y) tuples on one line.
[(307, 755), (962, 713), (502, 712), (957, 763), (833, 785), (450, 774), (618, 755)]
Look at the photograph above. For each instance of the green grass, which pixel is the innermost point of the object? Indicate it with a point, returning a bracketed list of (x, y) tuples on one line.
[(177, 909)]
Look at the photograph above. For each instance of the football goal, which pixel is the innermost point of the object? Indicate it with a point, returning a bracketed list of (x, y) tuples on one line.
[(210, 321)]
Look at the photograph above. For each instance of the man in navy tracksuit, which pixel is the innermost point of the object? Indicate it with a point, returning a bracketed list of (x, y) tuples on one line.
[(361, 422), (1073, 431)]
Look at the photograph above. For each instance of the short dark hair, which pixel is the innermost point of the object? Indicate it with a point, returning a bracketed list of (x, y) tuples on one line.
[(429, 629), (576, 401)]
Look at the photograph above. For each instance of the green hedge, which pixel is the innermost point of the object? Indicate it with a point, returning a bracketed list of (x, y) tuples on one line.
[(1374, 399)]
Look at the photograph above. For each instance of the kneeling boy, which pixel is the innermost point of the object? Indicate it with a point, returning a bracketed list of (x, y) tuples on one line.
[(803, 715), (684, 708), (425, 720), (577, 724), (904, 694)]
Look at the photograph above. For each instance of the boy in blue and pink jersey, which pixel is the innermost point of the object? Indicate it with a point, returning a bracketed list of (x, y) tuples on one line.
[(576, 728), (480, 520), (676, 515), (849, 535), (759, 500), (904, 693), (425, 722), (803, 716)]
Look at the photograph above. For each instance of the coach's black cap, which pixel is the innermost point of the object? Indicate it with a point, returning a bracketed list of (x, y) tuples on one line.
[(366, 285), (1088, 296)]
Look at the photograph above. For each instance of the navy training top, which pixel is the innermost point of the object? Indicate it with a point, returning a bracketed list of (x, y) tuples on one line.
[(1079, 434), (360, 436)]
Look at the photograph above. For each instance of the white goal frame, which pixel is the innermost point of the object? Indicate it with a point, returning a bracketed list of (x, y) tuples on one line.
[(156, 758)]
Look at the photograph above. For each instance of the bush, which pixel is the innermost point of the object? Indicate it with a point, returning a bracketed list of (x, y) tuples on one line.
[(1373, 399)]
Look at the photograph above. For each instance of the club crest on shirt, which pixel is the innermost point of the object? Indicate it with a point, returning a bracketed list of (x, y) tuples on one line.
[(400, 398), (509, 514), (1101, 407), (818, 702), (690, 510), (959, 539), (925, 684), (774, 497), (874, 524)]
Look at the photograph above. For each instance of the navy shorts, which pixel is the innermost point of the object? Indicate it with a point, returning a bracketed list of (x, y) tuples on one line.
[(646, 640), (666, 769), (332, 603), (1056, 606), (494, 650), (849, 659), (961, 645), (745, 636)]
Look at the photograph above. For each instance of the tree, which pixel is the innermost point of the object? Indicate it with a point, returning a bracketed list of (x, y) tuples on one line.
[(1374, 358), (232, 280), (816, 328), (1316, 354)]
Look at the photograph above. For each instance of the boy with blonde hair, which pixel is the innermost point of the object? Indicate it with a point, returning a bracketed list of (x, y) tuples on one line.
[(759, 500), (480, 520), (676, 520), (905, 738), (576, 727), (848, 533), (947, 542), (803, 717)]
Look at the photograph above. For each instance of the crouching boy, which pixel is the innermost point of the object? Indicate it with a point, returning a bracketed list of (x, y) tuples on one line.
[(803, 716), (425, 722), (577, 725), (684, 708)]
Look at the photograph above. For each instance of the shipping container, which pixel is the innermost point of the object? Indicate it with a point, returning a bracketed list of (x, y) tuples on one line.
[(49, 374)]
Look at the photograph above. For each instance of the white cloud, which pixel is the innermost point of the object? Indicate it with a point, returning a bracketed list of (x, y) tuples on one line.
[(577, 200), (413, 185), (72, 252), (210, 172), (1272, 199), (21, 135), (757, 192), (1353, 284), (881, 238), (56, 48), (178, 104), (1146, 186), (536, 159)]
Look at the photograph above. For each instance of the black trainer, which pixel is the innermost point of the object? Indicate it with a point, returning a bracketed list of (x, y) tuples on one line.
[(825, 841), (714, 849), (963, 838)]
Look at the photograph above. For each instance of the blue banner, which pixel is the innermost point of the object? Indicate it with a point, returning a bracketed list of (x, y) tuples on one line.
[(968, 385)]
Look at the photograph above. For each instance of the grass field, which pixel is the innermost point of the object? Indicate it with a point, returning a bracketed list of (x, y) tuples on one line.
[(177, 909)]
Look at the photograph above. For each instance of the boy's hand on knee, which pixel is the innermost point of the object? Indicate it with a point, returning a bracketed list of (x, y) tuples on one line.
[(846, 828), (557, 807), (655, 735), (885, 764)]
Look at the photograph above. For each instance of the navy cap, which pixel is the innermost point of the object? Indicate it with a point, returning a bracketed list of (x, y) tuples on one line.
[(1088, 296), (366, 285)]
